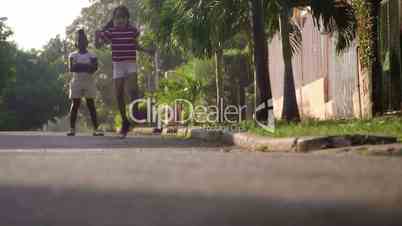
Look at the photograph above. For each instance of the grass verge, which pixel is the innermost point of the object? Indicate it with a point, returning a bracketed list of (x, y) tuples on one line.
[(387, 126)]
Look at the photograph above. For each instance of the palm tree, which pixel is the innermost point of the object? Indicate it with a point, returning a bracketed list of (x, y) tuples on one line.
[(201, 28), (261, 55), (290, 110)]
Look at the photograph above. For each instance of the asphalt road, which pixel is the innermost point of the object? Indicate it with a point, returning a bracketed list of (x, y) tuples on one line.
[(51, 180)]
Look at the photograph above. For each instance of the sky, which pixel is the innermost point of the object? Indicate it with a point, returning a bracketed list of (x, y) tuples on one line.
[(34, 22)]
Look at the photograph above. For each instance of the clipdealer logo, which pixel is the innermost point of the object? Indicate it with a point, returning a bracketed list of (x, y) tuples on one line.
[(229, 115)]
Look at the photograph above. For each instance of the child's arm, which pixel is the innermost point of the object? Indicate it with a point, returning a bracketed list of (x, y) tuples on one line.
[(94, 65), (81, 68), (77, 67), (102, 37), (73, 65)]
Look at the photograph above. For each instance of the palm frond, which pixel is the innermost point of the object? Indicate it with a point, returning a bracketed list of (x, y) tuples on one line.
[(336, 16), (295, 37), (331, 16)]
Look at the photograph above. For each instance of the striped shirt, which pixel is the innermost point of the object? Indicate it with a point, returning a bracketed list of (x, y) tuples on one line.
[(124, 42)]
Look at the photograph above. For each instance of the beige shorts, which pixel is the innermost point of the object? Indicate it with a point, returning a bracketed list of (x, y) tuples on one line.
[(123, 69), (84, 88)]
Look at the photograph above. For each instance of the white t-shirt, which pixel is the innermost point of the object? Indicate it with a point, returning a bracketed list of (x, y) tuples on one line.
[(81, 58)]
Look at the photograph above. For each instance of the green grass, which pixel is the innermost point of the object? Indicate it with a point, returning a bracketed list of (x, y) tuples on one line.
[(390, 126), (390, 152)]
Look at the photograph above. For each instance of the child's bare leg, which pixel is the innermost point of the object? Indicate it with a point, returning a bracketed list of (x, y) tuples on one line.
[(132, 90), (92, 111), (132, 86), (74, 111), (119, 91)]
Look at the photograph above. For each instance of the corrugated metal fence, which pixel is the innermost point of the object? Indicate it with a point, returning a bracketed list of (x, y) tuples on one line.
[(326, 83)]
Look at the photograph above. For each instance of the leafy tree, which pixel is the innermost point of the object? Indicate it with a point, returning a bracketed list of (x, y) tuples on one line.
[(36, 95), (7, 56), (53, 50), (201, 28), (5, 31), (182, 83), (7, 71)]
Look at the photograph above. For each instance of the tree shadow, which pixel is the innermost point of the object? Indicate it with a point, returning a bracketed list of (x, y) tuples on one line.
[(47, 206)]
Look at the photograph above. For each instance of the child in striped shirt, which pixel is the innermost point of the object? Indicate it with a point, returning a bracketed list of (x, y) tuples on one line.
[(124, 42)]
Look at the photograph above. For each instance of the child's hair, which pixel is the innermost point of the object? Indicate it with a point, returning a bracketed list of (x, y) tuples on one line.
[(120, 9), (80, 35)]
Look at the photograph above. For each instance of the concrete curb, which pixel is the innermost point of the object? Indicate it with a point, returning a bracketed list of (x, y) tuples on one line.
[(258, 143), (149, 131), (291, 144), (142, 130)]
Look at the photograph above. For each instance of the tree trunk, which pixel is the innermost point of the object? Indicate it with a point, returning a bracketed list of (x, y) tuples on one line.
[(290, 111), (261, 56), (396, 53), (366, 92), (366, 77), (377, 97), (219, 81), (242, 100)]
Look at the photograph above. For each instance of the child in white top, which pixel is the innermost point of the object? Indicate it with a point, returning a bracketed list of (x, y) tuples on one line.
[(82, 64)]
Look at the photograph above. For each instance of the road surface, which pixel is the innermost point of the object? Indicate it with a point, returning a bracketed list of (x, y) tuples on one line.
[(47, 179)]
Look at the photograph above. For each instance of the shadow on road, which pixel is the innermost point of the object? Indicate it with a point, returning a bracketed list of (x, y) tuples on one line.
[(48, 141), (46, 206)]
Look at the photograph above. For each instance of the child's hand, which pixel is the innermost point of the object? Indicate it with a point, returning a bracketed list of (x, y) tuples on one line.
[(98, 40)]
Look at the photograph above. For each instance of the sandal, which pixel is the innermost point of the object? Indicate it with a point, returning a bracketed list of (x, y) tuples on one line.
[(98, 133), (71, 133), (125, 129)]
